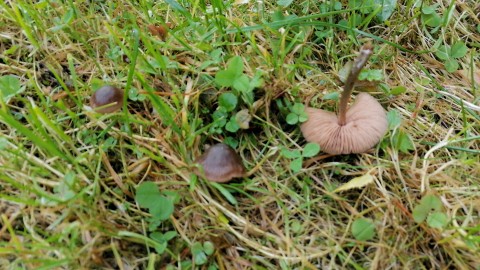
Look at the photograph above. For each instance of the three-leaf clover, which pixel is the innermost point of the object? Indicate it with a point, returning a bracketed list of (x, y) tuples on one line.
[(159, 205), (234, 77), (297, 114), (449, 54), (296, 156), (430, 209), (201, 252)]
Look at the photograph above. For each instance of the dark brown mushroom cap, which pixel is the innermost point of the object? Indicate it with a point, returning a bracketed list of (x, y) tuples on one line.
[(220, 164), (107, 99), (366, 123)]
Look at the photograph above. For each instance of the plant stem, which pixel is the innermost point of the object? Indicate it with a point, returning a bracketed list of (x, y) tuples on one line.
[(357, 66)]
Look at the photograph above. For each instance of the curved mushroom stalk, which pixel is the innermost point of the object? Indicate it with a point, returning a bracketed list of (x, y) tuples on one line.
[(366, 123), (220, 164)]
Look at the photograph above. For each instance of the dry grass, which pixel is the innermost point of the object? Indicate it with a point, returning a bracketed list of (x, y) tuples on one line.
[(68, 176)]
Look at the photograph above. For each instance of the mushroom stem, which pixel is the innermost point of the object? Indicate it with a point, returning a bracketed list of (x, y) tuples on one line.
[(357, 66)]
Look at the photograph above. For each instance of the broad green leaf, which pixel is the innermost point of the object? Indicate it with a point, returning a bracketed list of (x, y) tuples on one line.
[(298, 108), (232, 125), (429, 9), (161, 243), (363, 229), (147, 194), (225, 78), (9, 87), (402, 142), (163, 237), (284, 3), (3, 143), (337, 5), (242, 83), (235, 65), (200, 258), (291, 154), (331, 96), (303, 117), (428, 204), (196, 248), (443, 52), (296, 164), (458, 50), (162, 208), (176, 6), (257, 80), (311, 149), (292, 119), (432, 20), (228, 101), (437, 220), (356, 182), (208, 248), (451, 65), (394, 119), (387, 8), (371, 75), (397, 90), (232, 142)]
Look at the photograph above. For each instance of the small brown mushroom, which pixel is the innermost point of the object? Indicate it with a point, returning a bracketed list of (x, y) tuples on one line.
[(107, 99), (356, 129), (220, 164)]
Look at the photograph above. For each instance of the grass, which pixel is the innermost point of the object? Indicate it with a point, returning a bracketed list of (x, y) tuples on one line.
[(69, 177)]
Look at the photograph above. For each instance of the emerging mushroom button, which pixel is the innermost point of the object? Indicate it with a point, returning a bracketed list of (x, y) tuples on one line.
[(354, 130), (107, 99), (220, 163)]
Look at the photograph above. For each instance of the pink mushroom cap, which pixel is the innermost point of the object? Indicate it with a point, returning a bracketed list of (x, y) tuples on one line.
[(366, 124)]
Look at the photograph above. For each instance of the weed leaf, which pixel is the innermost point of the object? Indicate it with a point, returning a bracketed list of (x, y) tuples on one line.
[(437, 220), (428, 204), (311, 149), (363, 229), (387, 8), (458, 50), (228, 101), (225, 78), (451, 65), (147, 194), (9, 87), (443, 52), (161, 207), (284, 3), (356, 182)]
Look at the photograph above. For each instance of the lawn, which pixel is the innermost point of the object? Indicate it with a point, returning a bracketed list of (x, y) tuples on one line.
[(80, 189)]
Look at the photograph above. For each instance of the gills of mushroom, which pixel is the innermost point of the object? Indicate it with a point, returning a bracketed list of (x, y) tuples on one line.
[(220, 164), (366, 123), (354, 130)]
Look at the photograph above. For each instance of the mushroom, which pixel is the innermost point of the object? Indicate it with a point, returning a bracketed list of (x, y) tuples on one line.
[(220, 164), (107, 99), (354, 130)]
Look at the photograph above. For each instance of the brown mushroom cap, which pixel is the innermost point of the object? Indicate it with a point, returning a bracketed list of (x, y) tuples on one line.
[(366, 123), (107, 99), (220, 164)]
